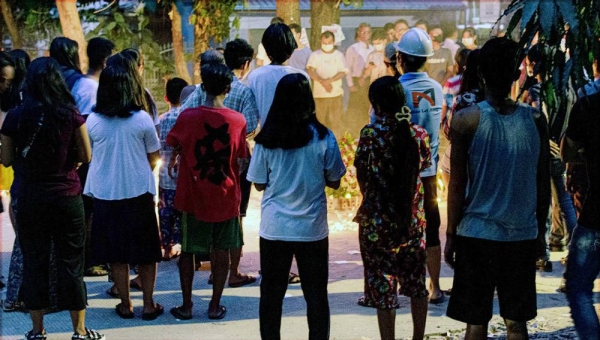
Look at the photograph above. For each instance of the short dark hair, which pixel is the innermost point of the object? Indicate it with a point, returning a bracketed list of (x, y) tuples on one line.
[(328, 34), (98, 50), (292, 116), (5, 60), (211, 56), (401, 21), (135, 55), (422, 22), (388, 26), (215, 78), (120, 90), (173, 89), (237, 53), (295, 27), (66, 52), (498, 64), (279, 43), (277, 20), (412, 62), (379, 34), (448, 29)]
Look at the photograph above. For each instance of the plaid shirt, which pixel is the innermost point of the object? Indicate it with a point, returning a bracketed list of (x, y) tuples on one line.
[(239, 99), (167, 121)]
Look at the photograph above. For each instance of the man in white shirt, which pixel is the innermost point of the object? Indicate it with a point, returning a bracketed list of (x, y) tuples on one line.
[(356, 59), (326, 68)]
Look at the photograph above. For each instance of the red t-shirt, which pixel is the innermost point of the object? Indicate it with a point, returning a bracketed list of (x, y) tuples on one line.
[(211, 141)]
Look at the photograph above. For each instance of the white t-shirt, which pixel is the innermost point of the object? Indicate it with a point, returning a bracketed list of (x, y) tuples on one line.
[(262, 55), (84, 93), (120, 148), (294, 206), (326, 66), (263, 82)]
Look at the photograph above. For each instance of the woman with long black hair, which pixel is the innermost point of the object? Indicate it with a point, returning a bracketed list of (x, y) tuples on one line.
[(45, 140), (294, 159), (391, 153)]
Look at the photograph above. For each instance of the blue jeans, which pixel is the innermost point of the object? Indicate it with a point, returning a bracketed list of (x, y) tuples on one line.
[(582, 269)]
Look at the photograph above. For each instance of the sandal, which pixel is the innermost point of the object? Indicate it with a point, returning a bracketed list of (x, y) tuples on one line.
[(90, 334), (220, 314), (362, 301), (158, 311), (294, 278), (246, 281), (37, 336), (179, 314), (122, 314)]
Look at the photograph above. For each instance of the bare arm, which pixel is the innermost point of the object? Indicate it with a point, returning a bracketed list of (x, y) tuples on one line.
[(153, 158), (312, 72), (8, 151), (543, 176), (82, 142)]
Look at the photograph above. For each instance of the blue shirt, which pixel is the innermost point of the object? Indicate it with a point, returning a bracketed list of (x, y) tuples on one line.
[(240, 98), (167, 121), (425, 97), (294, 206), (501, 195)]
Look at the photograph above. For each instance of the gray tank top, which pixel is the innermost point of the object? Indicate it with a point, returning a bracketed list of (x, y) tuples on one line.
[(502, 189)]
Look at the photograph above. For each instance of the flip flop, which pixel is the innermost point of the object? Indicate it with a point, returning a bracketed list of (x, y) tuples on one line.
[(294, 278), (158, 311), (220, 315), (438, 300), (247, 280), (110, 292), (178, 313), (134, 284), (121, 313)]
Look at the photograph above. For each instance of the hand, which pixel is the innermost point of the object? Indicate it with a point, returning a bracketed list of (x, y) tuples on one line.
[(353, 88), (326, 83), (173, 166), (361, 82), (554, 149), (450, 251)]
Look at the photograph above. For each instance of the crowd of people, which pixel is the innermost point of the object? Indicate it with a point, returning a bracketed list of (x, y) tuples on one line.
[(83, 148)]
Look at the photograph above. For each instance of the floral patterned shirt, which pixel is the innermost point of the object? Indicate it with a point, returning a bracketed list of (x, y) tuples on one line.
[(375, 215)]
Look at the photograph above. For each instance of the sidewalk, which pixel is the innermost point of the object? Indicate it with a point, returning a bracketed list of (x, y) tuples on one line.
[(348, 320)]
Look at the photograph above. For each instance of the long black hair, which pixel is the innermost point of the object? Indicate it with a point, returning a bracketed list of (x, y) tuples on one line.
[(120, 91), (66, 52), (48, 106), (16, 95), (470, 77), (401, 159), (292, 117)]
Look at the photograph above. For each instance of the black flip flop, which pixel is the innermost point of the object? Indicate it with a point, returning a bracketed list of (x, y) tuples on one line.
[(178, 313), (121, 314), (221, 315), (158, 311)]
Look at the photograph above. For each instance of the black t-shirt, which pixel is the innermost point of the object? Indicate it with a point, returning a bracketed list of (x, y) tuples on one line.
[(584, 127)]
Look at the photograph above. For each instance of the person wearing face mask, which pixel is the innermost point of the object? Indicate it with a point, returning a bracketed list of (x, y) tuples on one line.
[(440, 66), (326, 67), (375, 67), (469, 38)]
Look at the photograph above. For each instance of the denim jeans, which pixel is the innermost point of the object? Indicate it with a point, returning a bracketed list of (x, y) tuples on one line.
[(313, 267), (582, 269)]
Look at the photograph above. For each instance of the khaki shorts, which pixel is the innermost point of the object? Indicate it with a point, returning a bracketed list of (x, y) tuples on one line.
[(200, 237)]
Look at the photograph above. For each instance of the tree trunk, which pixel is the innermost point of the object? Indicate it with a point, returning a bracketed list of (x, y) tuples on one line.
[(11, 24), (180, 65), (322, 13), (71, 27), (288, 10)]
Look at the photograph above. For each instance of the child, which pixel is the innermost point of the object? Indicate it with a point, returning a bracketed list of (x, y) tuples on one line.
[(169, 217), (211, 142), (375, 67)]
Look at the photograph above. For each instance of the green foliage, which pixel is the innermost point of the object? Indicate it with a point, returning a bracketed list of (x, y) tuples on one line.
[(132, 31), (212, 18), (578, 21), (353, 3)]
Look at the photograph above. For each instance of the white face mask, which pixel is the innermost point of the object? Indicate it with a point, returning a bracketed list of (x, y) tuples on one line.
[(379, 47), (327, 48), (468, 41)]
